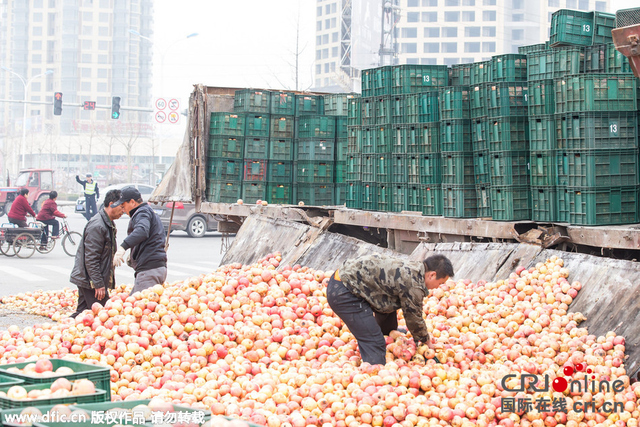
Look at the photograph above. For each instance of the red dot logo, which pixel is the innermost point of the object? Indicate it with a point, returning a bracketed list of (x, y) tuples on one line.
[(580, 367), (559, 384), (568, 371)]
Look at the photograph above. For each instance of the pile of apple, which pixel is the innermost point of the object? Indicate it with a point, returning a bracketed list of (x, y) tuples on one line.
[(262, 344), (61, 387)]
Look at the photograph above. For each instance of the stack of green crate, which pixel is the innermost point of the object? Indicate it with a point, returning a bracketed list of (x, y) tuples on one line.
[(337, 105), (353, 178), (281, 149), (225, 157)]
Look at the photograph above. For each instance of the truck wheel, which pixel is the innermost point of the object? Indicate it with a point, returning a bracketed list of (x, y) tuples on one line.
[(40, 202), (197, 226)]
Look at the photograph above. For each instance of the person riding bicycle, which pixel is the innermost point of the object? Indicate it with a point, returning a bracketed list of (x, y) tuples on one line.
[(91, 194), (20, 209), (47, 215)]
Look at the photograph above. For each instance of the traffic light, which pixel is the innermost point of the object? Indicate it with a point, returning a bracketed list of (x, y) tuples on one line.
[(115, 107), (57, 103)]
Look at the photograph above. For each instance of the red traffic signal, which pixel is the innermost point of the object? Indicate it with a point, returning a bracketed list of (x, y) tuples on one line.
[(57, 104)]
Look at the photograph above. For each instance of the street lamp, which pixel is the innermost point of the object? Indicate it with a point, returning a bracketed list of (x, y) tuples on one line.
[(25, 83)]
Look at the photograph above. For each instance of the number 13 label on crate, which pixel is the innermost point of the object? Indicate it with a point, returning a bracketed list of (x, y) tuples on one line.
[(613, 128), (426, 80), (587, 28)]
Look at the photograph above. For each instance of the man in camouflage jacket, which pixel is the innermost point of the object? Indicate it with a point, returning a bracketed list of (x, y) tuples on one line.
[(366, 293)]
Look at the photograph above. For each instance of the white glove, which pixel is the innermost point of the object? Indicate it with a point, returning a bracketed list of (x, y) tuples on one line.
[(119, 257)]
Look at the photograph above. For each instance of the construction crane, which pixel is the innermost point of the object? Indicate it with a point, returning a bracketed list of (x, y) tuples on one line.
[(388, 43)]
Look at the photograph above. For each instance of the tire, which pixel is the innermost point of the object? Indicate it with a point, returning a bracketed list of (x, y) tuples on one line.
[(197, 226), (24, 245), (38, 204), (6, 249), (51, 243), (71, 242)]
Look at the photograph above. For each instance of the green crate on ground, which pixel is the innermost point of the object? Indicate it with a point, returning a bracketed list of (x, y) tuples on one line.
[(282, 149), (410, 78), (369, 196), (432, 200), (510, 202), (573, 27), (340, 194), (342, 130), (457, 168), (368, 111), (280, 171), (509, 167), (368, 167), (314, 194), (399, 167), (252, 101), (399, 197), (309, 104), (226, 146), (341, 149), (414, 198), (508, 134), (397, 106), (595, 59), (459, 201), (382, 110), (383, 166), (506, 99), (532, 48), (477, 104), (257, 125), (616, 62), (384, 197), (283, 103), (368, 139), (455, 135), (602, 168), (568, 60), (602, 206), (228, 124), (340, 173), (305, 172), (481, 169), (256, 147), (541, 98), (454, 102), (316, 126), (337, 104), (253, 191), (100, 395), (221, 191), (479, 136), (354, 139), (483, 197), (603, 130), (596, 92), (279, 193), (540, 65), (544, 168), (282, 126), (354, 194), (354, 114), (542, 133), (429, 139), (481, 72), (255, 170), (509, 68), (224, 169), (430, 168), (422, 107), (544, 203), (316, 149), (461, 74)]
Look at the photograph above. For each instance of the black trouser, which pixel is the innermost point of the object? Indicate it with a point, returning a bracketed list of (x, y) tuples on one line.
[(90, 207), (19, 222), (45, 233), (358, 315), (86, 298)]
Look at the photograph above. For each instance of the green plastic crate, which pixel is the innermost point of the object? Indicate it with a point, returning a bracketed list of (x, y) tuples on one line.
[(368, 139), (6, 380), (279, 193), (397, 106), (455, 103), (341, 149), (544, 203), (384, 197), (509, 167), (481, 72), (342, 130), (605, 130), (354, 194), (602, 168), (337, 104), (422, 107), (573, 27), (367, 80), (615, 61), (544, 168), (540, 65), (430, 168), (382, 110), (305, 172), (596, 92), (253, 191), (399, 197), (603, 23), (316, 149), (7, 414), (410, 78), (457, 168), (541, 98), (369, 196), (568, 60), (477, 101), (455, 135), (381, 138), (340, 194), (430, 138), (309, 104), (7, 403), (595, 59), (283, 103), (459, 201), (280, 171), (481, 168), (411, 135), (399, 168), (532, 48), (282, 149), (376, 81), (229, 124), (354, 113), (479, 135), (509, 68), (483, 197), (316, 126), (510, 202), (399, 138), (602, 206), (432, 201), (226, 146), (282, 127), (252, 101), (542, 133), (506, 99), (368, 167), (340, 174), (314, 194), (368, 111), (508, 133), (224, 169), (354, 139), (256, 147), (414, 198), (383, 166), (461, 74), (255, 170), (413, 168), (257, 125), (562, 197), (219, 191)]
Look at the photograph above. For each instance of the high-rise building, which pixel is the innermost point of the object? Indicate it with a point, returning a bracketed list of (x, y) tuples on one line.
[(444, 32)]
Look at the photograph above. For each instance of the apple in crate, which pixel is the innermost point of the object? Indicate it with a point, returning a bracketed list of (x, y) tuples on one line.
[(43, 365), (16, 392)]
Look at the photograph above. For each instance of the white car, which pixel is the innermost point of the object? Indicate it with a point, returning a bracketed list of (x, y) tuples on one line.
[(145, 192)]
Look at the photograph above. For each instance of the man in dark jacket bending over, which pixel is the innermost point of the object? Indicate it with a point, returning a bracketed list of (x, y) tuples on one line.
[(146, 241), (366, 292)]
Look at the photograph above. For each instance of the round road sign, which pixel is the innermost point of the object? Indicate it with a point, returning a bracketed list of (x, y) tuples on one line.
[(161, 116)]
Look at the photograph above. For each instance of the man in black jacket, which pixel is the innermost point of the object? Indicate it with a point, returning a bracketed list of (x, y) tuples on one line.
[(93, 270), (146, 241)]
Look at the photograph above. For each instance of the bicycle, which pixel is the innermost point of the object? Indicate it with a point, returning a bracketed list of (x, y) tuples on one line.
[(70, 239), (26, 241)]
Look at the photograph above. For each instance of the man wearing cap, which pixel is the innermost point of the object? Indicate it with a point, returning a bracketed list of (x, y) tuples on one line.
[(91, 194), (145, 239)]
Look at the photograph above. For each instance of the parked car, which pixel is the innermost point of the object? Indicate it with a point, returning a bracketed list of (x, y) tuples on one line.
[(185, 218), (145, 192)]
